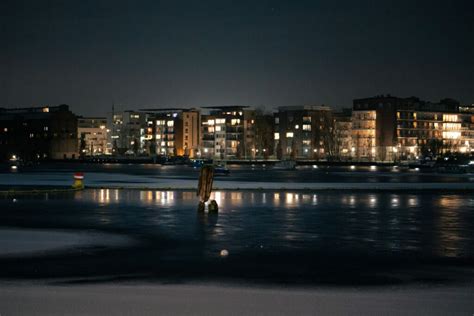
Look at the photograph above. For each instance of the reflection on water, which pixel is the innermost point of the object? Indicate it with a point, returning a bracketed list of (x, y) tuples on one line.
[(425, 224), (450, 236)]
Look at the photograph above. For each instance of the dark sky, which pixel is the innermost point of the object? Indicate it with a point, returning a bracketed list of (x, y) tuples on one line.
[(139, 54)]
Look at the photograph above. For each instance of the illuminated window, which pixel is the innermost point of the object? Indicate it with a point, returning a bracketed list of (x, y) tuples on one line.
[(450, 118), (306, 118), (220, 121), (170, 123), (218, 128), (414, 115), (306, 142), (289, 134), (451, 135), (210, 122), (306, 127), (297, 126), (46, 110), (398, 115), (235, 121), (277, 136)]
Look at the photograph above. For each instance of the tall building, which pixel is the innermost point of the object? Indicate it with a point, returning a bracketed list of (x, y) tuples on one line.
[(172, 132), (48, 132), (304, 132), (92, 133), (228, 132)]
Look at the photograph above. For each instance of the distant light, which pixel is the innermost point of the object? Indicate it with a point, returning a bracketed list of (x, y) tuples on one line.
[(224, 253), (206, 150), (417, 169), (353, 167), (315, 166), (14, 167), (373, 167)]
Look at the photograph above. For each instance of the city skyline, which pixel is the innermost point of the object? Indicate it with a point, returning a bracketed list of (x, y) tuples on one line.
[(91, 55)]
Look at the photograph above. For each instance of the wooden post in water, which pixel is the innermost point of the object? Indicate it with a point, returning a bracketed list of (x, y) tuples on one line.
[(206, 177)]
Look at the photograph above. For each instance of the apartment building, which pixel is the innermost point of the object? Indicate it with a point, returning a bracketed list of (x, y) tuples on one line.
[(388, 128), (228, 132), (172, 132), (304, 132), (92, 133)]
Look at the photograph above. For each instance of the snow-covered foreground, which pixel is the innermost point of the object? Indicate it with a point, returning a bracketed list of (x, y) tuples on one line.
[(115, 180), (123, 299), (22, 242)]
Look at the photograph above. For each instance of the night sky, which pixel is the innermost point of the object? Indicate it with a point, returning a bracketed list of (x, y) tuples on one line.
[(142, 54)]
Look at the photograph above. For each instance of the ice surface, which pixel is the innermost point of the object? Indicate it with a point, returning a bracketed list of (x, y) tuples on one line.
[(14, 242), (111, 180)]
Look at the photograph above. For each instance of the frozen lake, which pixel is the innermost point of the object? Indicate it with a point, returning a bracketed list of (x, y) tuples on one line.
[(342, 238)]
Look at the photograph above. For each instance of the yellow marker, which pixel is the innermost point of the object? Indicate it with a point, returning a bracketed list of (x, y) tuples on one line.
[(78, 180)]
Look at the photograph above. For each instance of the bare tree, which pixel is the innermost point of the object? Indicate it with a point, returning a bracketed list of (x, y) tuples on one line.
[(264, 134), (332, 137), (82, 145)]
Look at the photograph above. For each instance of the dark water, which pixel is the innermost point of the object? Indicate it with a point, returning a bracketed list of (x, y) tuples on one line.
[(282, 237)]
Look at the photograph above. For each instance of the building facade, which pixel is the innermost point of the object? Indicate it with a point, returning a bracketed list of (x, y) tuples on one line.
[(48, 132), (172, 132), (92, 133), (126, 128), (228, 132), (304, 132)]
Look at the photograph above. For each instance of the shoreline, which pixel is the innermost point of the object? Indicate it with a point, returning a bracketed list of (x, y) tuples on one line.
[(253, 186)]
